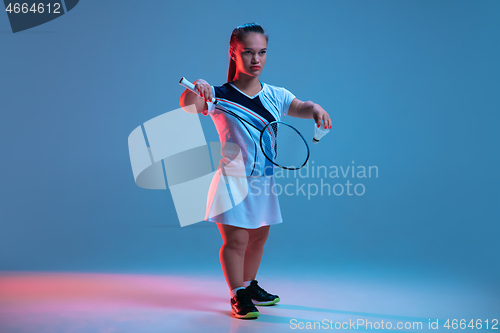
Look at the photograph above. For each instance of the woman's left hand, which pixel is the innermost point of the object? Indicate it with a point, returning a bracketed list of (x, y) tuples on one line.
[(320, 115), (308, 110)]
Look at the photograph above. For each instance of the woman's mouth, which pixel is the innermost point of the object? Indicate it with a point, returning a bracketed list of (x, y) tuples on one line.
[(255, 67)]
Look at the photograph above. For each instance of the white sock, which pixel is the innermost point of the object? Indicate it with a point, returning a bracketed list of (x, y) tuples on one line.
[(233, 292), (247, 283)]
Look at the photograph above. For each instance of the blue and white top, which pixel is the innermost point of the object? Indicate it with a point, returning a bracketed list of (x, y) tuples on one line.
[(269, 104)]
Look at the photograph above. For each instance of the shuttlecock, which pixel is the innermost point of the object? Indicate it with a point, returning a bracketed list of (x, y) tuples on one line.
[(319, 132)]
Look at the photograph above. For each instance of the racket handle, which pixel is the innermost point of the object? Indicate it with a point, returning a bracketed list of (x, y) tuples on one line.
[(184, 82)]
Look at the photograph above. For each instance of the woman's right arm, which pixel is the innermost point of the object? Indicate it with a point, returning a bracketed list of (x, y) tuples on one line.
[(189, 98)]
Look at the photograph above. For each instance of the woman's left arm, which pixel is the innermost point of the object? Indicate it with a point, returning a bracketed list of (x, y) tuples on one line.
[(309, 110)]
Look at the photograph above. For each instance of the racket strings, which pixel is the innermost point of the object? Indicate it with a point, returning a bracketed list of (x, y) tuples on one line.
[(283, 145)]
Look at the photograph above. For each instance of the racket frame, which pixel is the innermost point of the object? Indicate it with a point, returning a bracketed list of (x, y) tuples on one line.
[(296, 130)]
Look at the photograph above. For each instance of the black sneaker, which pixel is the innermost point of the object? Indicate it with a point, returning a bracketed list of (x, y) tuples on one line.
[(242, 306), (259, 296)]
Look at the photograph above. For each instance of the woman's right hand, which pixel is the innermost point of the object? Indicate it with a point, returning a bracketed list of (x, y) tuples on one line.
[(199, 99), (204, 88)]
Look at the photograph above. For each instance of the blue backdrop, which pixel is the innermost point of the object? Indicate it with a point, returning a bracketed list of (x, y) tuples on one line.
[(412, 87)]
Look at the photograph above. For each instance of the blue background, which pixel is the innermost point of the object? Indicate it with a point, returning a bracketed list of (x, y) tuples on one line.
[(412, 87)]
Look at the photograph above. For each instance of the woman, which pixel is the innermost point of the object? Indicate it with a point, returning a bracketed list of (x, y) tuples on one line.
[(245, 218)]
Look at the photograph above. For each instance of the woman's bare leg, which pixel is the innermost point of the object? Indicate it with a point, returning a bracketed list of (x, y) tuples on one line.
[(232, 253), (254, 251)]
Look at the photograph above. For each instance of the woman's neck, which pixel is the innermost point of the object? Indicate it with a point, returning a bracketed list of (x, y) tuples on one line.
[(247, 83)]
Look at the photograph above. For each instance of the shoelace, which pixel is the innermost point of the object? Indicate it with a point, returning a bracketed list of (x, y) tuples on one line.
[(261, 290)]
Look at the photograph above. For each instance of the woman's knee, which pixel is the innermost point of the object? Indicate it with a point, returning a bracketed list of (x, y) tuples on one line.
[(259, 238), (236, 242)]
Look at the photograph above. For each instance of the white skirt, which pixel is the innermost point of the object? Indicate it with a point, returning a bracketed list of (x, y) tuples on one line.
[(245, 202)]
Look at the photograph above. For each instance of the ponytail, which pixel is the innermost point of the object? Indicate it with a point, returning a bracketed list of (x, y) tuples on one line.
[(236, 37), (232, 69)]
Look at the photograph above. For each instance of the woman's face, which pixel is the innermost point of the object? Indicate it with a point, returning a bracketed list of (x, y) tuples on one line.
[(250, 54)]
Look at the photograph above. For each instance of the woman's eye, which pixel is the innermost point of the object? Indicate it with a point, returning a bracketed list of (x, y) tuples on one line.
[(262, 52)]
